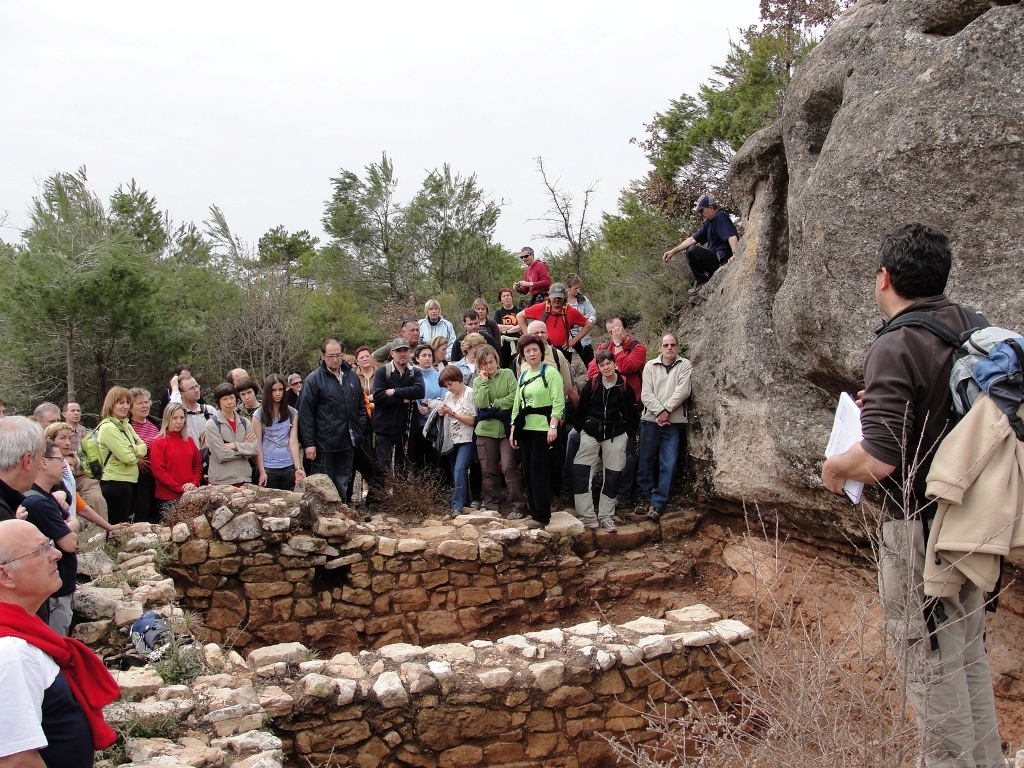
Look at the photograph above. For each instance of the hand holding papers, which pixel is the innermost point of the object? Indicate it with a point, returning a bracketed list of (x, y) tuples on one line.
[(845, 434)]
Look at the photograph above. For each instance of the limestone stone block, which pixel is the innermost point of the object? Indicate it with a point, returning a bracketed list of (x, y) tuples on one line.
[(266, 591), (201, 526), (457, 549), (731, 630), (248, 743), (332, 527), (91, 632), (401, 652), (568, 696), (554, 637), (462, 756), (345, 665), (95, 603), (126, 613), (319, 686), (525, 590), (138, 682), (271, 759), (654, 646), (338, 562), (452, 652), (442, 670), (220, 517), (694, 614), (645, 625), (491, 551), (389, 690), (180, 532), (290, 653), (275, 524), (416, 677), (410, 545), (347, 690), (495, 678), (547, 675), (243, 527), (219, 549)]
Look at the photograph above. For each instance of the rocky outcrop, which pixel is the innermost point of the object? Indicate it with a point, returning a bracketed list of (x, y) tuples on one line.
[(907, 110)]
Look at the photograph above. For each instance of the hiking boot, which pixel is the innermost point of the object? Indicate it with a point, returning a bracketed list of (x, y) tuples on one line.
[(642, 508), (654, 514), (533, 524), (695, 287), (475, 505), (517, 516), (609, 525)]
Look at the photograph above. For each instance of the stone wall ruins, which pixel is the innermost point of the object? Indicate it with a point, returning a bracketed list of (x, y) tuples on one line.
[(266, 568)]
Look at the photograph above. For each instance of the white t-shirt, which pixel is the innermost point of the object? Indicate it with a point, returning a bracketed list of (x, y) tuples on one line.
[(25, 674), (461, 433)]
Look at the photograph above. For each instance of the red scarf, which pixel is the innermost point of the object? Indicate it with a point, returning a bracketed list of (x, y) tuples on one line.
[(90, 682)]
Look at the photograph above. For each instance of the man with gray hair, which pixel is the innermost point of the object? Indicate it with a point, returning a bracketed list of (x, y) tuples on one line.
[(536, 279), (21, 451), (46, 414)]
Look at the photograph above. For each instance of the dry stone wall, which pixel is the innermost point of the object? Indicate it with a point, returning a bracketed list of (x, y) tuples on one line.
[(268, 567)]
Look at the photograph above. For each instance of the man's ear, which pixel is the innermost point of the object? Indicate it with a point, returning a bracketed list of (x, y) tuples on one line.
[(886, 283)]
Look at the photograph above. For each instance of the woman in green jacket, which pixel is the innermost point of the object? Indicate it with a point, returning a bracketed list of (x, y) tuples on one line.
[(536, 412), (121, 449), (494, 390)]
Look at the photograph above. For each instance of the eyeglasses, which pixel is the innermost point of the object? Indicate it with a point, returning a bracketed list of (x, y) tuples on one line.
[(525, 255), (43, 550), (332, 357), (55, 458)]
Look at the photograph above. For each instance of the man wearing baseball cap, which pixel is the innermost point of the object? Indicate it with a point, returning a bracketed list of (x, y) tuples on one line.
[(396, 387), (559, 318), (711, 246)]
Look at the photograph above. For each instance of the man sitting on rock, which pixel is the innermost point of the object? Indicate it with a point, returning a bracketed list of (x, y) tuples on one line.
[(54, 688), (711, 246)]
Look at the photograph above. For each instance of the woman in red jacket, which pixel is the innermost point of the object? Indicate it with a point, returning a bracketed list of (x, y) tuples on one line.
[(174, 458)]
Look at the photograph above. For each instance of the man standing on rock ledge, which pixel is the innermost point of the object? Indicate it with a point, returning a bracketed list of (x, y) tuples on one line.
[(711, 246), (905, 406)]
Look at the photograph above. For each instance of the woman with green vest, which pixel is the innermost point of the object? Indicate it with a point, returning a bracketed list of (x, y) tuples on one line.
[(536, 412), (121, 449), (494, 390)]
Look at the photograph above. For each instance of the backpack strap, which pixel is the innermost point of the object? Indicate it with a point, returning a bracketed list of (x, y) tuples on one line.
[(925, 320)]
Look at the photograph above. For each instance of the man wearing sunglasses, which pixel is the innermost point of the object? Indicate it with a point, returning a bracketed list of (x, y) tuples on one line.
[(62, 528), (54, 688), (536, 280)]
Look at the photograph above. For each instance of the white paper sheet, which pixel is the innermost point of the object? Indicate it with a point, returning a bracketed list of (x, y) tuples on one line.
[(845, 434)]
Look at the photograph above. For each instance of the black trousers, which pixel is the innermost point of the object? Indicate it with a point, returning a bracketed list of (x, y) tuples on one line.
[(703, 263), (536, 473)]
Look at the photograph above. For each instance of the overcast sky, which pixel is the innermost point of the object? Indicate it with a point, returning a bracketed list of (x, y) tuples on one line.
[(255, 106)]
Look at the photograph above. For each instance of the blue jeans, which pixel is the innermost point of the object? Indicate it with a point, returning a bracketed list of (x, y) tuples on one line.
[(663, 443), (461, 457)]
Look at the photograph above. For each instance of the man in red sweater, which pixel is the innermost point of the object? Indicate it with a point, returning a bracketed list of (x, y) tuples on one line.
[(559, 318), (536, 279)]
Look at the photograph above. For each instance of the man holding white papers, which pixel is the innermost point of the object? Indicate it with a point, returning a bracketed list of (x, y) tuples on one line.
[(905, 414)]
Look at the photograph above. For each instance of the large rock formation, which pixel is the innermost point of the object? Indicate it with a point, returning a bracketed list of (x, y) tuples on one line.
[(906, 110)]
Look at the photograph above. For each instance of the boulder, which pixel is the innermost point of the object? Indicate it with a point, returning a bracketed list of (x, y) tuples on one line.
[(904, 111)]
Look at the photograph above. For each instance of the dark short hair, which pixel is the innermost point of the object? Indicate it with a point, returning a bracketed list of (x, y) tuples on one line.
[(530, 338), (420, 348), (183, 367), (610, 318), (503, 291), (470, 314), (918, 258), (604, 354), (323, 347), (249, 384), (223, 390), (451, 373)]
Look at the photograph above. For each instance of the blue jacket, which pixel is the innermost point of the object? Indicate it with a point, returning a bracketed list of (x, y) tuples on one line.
[(332, 413)]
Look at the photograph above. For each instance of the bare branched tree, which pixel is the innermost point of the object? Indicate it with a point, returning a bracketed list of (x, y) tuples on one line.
[(563, 221)]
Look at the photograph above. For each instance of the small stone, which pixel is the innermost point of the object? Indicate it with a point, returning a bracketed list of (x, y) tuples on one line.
[(731, 630), (290, 653), (694, 614), (495, 678), (345, 665), (452, 652), (553, 637), (337, 562), (416, 677), (276, 524), (127, 613), (221, 516), (138, 682), (248, 743), (275, 702), (654, 646), (697, 639), (401, 652), (387, 546), (505, 534), (243, 527), (346, 691), (180, 533), (442, 670), (645, 625), (587, 629), (389, 691), (564, 524), (314, 666), (547, 675), (319, 686), (91, 632)]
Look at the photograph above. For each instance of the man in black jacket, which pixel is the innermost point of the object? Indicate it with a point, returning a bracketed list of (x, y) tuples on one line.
[(332, 416), (396, 388)]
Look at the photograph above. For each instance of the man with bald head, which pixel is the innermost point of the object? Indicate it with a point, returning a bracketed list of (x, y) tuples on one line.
[(54, 688), (21, 451)]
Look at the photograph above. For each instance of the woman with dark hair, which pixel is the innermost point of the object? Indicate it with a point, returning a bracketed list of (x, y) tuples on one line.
[(606, 411), (363, 460), (505, 318), (231, 440), (422, 454), (144, 507), (276, 426), (175, 459), (483, 311), (120, 448), (536, 411), (459, 407)]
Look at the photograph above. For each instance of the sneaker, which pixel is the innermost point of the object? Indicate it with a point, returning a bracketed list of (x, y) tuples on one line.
[(475, 505), (695, 287), (517, 516), (533, 524), (654, 515), (609, 525), (642, 508)]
